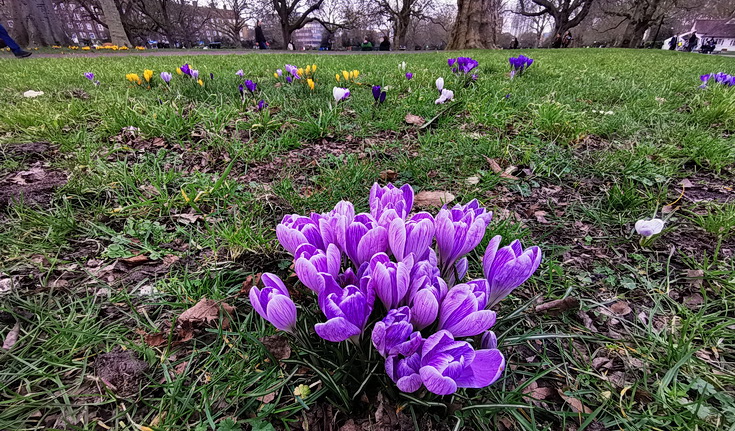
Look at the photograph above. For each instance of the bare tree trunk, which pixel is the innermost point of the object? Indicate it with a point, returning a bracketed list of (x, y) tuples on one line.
[(118, 36), (36, 17), (470, 27)]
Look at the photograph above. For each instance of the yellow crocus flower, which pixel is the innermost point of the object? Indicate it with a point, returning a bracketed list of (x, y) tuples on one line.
[(133, 77), (310, 83), (336, 76), (356, 72), (178, 70), (200, 82), (147, 75), (313, 67), (300, 71), (275, 75), (346, 74), (308, 69)]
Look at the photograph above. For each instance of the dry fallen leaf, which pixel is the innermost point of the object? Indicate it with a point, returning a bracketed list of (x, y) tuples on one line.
[(277, 345), (620, 308), (695, 276), (558, 306), (12, 337), (265, 399), (187, 218), (206, 311), (576, 404), (472, 180), (136, 260), (432, 199), (540, 217), (414, 120), (388, 175), (494, 166)]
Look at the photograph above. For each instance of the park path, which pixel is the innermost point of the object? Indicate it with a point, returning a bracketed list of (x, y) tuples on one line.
[(187, 52)]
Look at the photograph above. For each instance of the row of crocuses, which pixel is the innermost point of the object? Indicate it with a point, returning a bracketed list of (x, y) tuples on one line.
[(408, 271), (462, 66)]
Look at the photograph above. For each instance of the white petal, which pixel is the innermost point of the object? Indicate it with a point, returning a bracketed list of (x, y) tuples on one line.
[(439, 83)]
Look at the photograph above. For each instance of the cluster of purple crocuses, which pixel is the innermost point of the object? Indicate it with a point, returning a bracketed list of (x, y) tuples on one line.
[(519, 64), (720, 78), (188, 71), (408, 270), (463, 65), (378, 94)]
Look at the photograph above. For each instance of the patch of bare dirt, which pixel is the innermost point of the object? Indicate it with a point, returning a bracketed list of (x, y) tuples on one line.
[(706, 186), (120, 371), (34, 186)]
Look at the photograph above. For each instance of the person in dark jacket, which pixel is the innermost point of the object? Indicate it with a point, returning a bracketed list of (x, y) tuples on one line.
[(693, 42), (514, 44), (366, 45), (17, 50), (385, 44), (673, 42), (260, 37)]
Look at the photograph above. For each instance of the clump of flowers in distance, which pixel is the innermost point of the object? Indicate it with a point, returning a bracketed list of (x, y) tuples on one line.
[(519, 65), (719, 78), (407, 271)]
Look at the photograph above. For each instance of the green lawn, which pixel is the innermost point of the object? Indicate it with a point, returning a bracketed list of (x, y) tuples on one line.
[(643, 338)]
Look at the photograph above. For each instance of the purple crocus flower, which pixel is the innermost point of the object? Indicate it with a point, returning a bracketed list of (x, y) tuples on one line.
[(519, 64), (394, 334), (288, 79), (461, 312), (186, 70), (293, 70), (261, 104), (251, 86), (411, 236), (240, 73), (489, 340), (462, 64), (364, 238), (333, 225), (312, 262), (427, 291), (391, 197), (274, 303), (447, 365), (242, 92), (279, 72), (459, 231), (347, 311), (166, 77), (508, 267), (389, 280), (409, 75), (295, 230), (195, 74), (378, 95), (89, 75)]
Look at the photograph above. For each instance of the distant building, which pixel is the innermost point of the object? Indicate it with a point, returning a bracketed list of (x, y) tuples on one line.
[(308, 37), (721, 30), (79, 25)]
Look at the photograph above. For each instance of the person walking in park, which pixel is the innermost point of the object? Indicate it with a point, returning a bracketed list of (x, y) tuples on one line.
[(385, 44), (693, 42), (514, 43), (366, 45), (17, 50), (673, 42), (259, 36), (567, 40)]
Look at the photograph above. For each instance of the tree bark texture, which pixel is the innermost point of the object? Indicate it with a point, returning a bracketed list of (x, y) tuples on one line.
[(118, 35), (472, 26)]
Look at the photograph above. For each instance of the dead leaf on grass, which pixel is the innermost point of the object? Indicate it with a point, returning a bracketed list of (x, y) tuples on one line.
[(187, 218), (265, 399), (540, 217), (207, 311), (432, 199), (277, 345), (414, 120), (494, 166), (535, 393), (12, 337), (136, 260), (389, 175), (621, 308), (695, 276), (693, 301), (558, 306), (472, 180), (576, 404)]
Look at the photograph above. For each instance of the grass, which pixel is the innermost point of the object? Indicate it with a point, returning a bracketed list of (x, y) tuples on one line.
[(204, 195)]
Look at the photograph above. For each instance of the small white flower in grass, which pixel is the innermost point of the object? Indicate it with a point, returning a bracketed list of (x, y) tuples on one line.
[(340, 93), (649, 228), (402, 66), (32, 93), (440, 83), (446, 96)]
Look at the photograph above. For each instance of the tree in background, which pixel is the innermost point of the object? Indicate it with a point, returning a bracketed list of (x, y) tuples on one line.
[(35, 23), (179, 21), (238, 12), (400, 13), (478, 24), (566, 14), (294, 14)]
